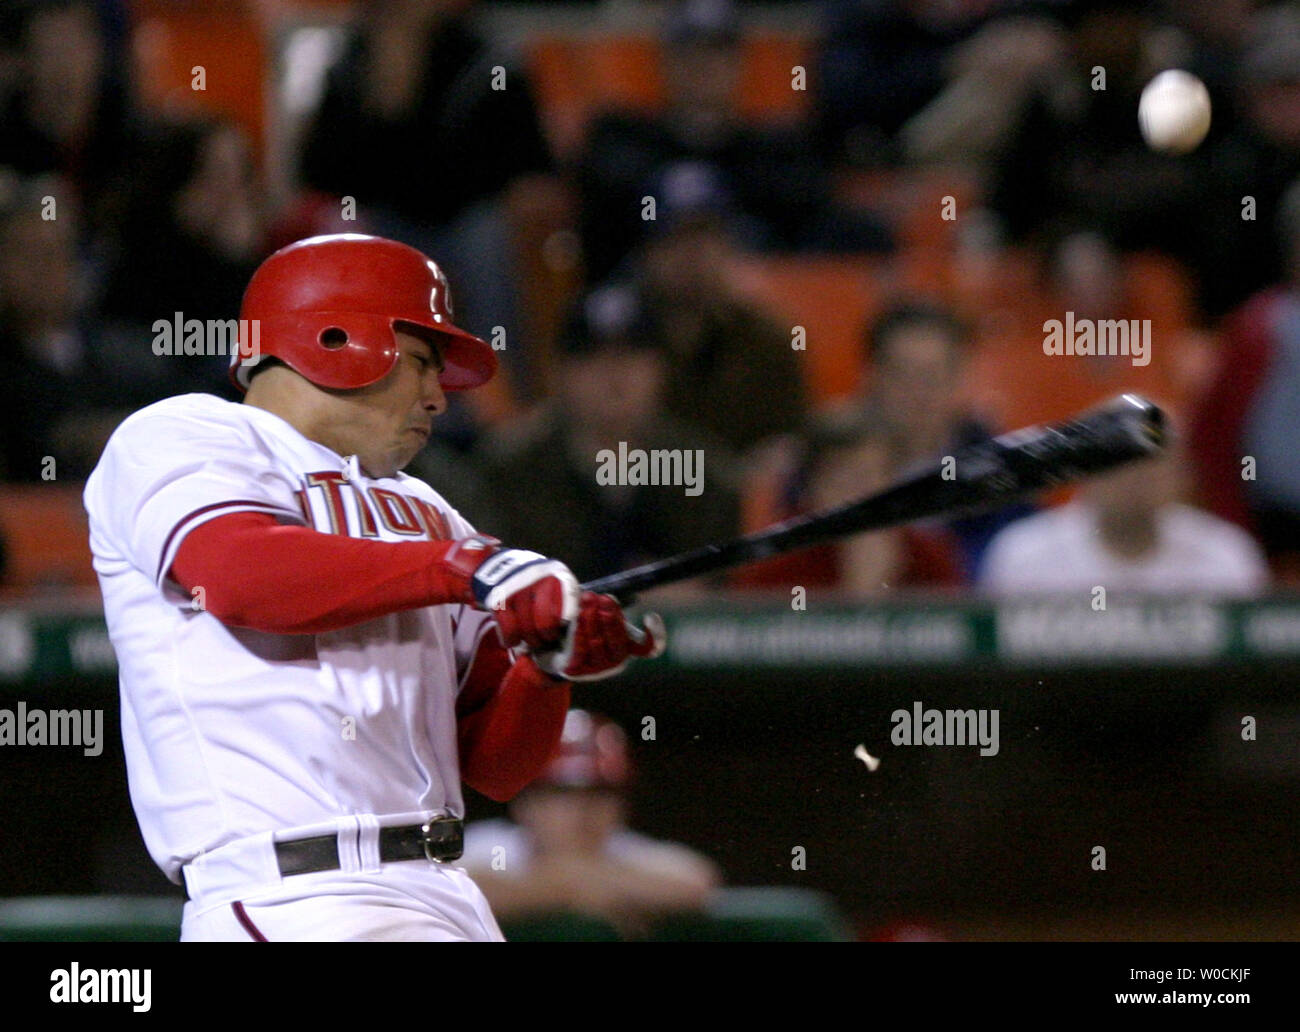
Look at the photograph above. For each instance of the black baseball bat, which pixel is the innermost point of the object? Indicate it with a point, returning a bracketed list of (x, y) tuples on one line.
[(981, 476)]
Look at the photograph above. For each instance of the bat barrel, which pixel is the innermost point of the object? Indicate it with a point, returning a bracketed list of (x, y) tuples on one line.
[(981, 476)]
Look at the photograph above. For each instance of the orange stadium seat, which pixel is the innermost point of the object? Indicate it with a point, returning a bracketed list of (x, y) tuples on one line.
[(913, 201), (576, 77), (766, 92), (170, 40), (46, 536), (920, 200), (1016, 384), (1161, 291), (832, 298)]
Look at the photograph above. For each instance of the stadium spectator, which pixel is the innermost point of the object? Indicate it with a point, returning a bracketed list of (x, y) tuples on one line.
[(195, 230), (1238, 249), (1243, 439), (881, 62), (413, 127), (569, 848), (1085, 281), (65, 389), (844, 458), (608, 406), (917, 352), (988, 78), (773, 173), (1077, 154), (63, 107), (731, 368), (1127, 532)]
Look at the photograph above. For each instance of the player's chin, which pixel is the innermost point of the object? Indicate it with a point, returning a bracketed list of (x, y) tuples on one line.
[(411, 445)]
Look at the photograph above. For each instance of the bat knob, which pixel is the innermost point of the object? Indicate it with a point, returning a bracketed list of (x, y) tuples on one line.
[(650, 640)]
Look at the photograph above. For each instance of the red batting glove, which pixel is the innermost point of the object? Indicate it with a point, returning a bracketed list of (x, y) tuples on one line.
[(600, 642)]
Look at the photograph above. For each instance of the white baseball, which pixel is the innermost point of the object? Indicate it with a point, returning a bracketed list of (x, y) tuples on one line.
[(1174, 112)]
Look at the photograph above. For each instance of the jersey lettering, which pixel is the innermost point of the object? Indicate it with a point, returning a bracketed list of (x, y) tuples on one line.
[(331, 501), (396, 513)]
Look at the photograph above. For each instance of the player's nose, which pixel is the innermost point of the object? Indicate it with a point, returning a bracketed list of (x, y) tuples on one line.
[(434, 399)]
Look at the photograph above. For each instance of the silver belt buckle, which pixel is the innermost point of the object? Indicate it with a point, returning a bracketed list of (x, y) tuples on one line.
[(446, 832)]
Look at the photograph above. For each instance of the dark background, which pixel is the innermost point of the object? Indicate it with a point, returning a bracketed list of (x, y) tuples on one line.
[(1199, 828)]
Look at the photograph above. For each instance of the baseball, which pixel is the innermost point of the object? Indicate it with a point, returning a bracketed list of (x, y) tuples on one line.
[(1174, 112)]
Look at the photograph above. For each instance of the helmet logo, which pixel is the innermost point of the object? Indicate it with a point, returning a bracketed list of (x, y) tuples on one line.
[(440, 295)]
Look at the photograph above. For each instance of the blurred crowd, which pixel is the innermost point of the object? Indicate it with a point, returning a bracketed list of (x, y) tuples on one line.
[(115, 214)]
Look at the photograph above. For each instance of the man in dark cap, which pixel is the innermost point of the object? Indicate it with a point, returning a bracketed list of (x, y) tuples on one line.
[(731, 367), (600, 475), (772, 172)]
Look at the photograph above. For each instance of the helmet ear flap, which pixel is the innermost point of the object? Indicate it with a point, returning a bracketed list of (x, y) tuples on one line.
[(337, 350)]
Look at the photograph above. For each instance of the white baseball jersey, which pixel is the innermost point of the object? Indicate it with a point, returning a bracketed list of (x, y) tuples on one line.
[(230, 732), (1060, 550)]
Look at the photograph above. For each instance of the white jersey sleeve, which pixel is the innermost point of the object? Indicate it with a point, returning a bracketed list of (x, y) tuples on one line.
[(174, 466)]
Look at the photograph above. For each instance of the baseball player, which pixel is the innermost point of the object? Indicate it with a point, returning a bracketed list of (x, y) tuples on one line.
[(315, 649)]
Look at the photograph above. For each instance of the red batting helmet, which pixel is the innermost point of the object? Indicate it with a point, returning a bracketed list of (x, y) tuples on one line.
[(328, 308), (592, 754)]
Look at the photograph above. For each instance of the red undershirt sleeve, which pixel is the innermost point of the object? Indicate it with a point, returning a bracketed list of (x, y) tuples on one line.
[(509, 716), (255, 572)]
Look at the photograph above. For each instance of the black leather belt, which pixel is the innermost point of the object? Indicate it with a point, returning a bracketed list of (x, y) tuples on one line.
[(441, 840)]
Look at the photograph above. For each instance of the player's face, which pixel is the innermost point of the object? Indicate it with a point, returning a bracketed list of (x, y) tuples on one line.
[(387, 423)]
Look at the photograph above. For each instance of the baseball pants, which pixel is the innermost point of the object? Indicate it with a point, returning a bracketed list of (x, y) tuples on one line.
[(238, 895)]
